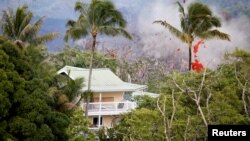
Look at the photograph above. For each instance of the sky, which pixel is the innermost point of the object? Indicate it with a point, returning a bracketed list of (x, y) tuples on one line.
[(60, 9), (149, 39)]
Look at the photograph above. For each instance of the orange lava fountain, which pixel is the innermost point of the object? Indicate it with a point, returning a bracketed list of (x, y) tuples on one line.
[(196, 65)]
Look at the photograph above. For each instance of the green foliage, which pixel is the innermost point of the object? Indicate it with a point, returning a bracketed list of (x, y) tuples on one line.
[(64, 93), (16, 26), (73, 87), (109, 134), (98, 17), (78, 127), (141, 124), (26, 110), (88, 95), (145, 102), (222, 95)]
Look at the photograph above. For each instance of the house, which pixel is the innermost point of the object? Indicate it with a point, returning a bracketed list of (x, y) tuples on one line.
[(111, 94)]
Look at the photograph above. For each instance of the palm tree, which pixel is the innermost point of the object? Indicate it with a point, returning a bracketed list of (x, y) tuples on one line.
[(16, 26), (98, 17), (64, 95), (198, 22)]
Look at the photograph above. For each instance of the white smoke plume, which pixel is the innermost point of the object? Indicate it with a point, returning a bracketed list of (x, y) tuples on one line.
[(159, 42)]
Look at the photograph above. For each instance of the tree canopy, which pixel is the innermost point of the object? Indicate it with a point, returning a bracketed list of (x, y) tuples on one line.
[(16, 26), (189, 101), (26, 109)]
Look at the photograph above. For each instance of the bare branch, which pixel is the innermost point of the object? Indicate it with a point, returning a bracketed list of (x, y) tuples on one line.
[(178, 85), (186, 130), (237, 78), (159, 108), (174, 109), (165, 120), (244, 89), (243, 98), (207, 101), (202, 84)]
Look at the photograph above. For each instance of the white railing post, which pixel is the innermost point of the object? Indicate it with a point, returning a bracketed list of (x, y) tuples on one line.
[(100, 109), (116, 106)]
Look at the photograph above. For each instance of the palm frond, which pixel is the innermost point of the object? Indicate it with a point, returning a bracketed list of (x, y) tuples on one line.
[(98, 16), (181, 9), (73, 87), (75, 33), (197, 8), (25, 32), (44, 38), (37, 26), (114, 31), (114, 18), (181, 35), (215, 21), (81, 7), (20, 15), (25, 21), (77, 29), (8, 24), (214, 34), (70, 23), (205, 23), (17, 26), (31, 30)]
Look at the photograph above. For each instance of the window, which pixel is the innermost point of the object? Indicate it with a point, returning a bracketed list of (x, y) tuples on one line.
[(127, 96), (120, 105), (95, 121)]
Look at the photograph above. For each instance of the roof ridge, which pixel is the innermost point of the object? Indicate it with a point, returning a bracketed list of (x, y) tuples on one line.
[(86, 68)]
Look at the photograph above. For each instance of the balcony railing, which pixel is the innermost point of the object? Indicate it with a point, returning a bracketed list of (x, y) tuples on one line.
[(110, 108)]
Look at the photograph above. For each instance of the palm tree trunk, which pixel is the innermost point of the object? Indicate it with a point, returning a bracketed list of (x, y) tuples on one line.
[(90, 72), (190, 57)]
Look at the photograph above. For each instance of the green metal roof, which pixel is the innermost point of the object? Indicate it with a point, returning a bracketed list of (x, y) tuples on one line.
[(103, 80)]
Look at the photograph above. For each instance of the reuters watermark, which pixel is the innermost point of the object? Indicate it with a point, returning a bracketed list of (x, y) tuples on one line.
[(227, 132)]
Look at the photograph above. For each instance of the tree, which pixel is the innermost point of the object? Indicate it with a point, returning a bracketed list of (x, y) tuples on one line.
[(98, 17), (141, 124), (26, 111), (17, 26), (241, 61), (188, 102), (65, 93), (198, 22), (78, 127)]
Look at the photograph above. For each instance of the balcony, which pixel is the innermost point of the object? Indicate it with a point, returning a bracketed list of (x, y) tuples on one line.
[(109, 108)]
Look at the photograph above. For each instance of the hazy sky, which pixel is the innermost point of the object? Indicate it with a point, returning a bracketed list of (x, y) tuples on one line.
[(50, 8), (64, 8)]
